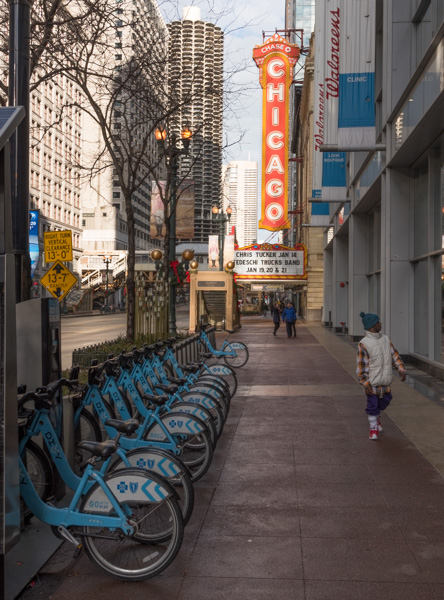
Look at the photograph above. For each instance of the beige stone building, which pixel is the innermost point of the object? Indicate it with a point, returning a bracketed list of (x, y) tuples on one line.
[(311, 300)]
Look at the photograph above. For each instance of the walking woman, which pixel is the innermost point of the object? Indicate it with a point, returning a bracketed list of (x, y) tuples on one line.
[(276, 317)]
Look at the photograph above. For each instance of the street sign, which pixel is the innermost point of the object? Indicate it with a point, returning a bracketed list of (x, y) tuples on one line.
[(271, 262), (58, 280), (267, 287), (58, 245)]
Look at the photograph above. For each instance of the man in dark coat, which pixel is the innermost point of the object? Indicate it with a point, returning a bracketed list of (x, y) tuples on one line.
[(289, 318), (276, 317)]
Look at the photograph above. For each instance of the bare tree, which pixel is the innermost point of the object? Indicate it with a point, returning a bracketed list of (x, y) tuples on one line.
[(118, 54)]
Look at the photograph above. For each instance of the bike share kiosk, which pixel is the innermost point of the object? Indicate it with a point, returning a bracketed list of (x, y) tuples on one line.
[(9, 472), (212, 293)]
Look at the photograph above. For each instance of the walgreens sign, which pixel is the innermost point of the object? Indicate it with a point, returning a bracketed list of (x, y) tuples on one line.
[(275, 59)]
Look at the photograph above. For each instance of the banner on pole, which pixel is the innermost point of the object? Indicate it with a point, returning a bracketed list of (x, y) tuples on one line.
[(276, 59), (356, 116)]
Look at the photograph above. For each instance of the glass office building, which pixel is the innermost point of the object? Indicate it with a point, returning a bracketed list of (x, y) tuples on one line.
[(384, 250)]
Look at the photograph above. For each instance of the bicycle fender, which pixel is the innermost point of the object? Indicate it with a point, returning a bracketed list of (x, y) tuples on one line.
[(146, 459), (197, 398), (217, 370), (128, 485), (195, 411), (174, 424), (238, 345), (214, 393)]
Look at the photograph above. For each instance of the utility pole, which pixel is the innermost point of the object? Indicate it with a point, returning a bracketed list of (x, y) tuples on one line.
[(19, 58)]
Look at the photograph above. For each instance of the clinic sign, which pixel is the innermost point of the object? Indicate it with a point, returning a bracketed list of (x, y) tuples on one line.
[(276, 59), (271, 262)]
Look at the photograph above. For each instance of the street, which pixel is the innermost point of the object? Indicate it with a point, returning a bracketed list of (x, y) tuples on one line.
[(78, 332)]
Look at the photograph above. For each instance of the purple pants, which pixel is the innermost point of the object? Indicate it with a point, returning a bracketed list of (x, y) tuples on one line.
[(375, 404)]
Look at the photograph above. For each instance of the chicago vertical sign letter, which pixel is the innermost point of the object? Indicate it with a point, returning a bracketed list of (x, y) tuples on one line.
[(276, 59)]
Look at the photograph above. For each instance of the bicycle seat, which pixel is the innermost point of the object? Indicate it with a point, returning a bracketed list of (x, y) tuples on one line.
[(169, 389), (177, 380), (190, 368), (159, 400), (101, 449), (206, 354), (129, 426)]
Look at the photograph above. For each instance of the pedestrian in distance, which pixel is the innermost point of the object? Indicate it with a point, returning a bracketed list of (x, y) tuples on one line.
[(276, 313), (289, 318), (264, 308), (375, 360), (294, 324)]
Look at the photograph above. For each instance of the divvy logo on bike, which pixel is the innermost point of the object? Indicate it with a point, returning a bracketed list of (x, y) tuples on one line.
[(123, 487), (53, 446), (174, 424)]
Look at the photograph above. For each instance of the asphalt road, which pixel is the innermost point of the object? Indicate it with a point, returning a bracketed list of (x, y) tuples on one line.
[(78, 332)]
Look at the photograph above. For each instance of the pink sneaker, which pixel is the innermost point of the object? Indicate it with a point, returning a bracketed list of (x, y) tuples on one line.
[(373, 434)]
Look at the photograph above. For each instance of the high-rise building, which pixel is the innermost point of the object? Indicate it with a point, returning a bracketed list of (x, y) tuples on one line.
[(56, 125), (240, 193), (138, 26), (300, 14), (195, 85)]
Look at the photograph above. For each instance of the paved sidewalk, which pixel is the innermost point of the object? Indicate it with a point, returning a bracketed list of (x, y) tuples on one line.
[(299, 504)]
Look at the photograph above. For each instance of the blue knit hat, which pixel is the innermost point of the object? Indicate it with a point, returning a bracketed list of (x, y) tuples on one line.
[(369, 320)]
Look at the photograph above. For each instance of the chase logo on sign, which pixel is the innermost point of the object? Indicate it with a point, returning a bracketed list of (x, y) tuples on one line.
[(134, 486), (122, 487)]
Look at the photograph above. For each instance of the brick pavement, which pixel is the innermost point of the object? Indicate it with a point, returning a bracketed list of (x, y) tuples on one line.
[(299, 504)]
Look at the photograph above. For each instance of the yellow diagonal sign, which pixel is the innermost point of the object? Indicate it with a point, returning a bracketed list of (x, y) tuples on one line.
[(58, 280)]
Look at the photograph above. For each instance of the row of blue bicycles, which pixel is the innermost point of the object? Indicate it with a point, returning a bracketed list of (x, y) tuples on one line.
[(145, 429)]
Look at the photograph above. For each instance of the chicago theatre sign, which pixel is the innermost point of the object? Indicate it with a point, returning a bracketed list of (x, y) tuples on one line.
[(276, 59)]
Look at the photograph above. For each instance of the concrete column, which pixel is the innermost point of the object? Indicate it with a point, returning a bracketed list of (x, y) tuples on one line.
[(358, 268), (328, 285), (396, 275), (340, 271)]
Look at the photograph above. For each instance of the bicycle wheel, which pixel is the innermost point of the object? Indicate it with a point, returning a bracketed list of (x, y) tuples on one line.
[(87, 429), (149, 550), (241, 357), (168, 465), (226, 373), (192, 442), (203, 415), (40, 471), (209, 404), (215, 382)]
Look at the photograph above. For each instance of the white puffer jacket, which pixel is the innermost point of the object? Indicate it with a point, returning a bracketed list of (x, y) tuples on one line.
[(380, 363)]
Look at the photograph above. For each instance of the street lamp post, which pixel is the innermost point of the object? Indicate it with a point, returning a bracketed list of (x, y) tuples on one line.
[(221, 218), (107, 261), (173, 151)]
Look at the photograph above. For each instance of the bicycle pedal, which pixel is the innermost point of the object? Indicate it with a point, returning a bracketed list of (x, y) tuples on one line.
[(78, 551)]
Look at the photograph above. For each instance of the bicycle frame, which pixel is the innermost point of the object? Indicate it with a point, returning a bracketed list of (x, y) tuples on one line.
[(154, 436), (222, 352), (41, 424), (126, 382), (150, 366), (137, 377)]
